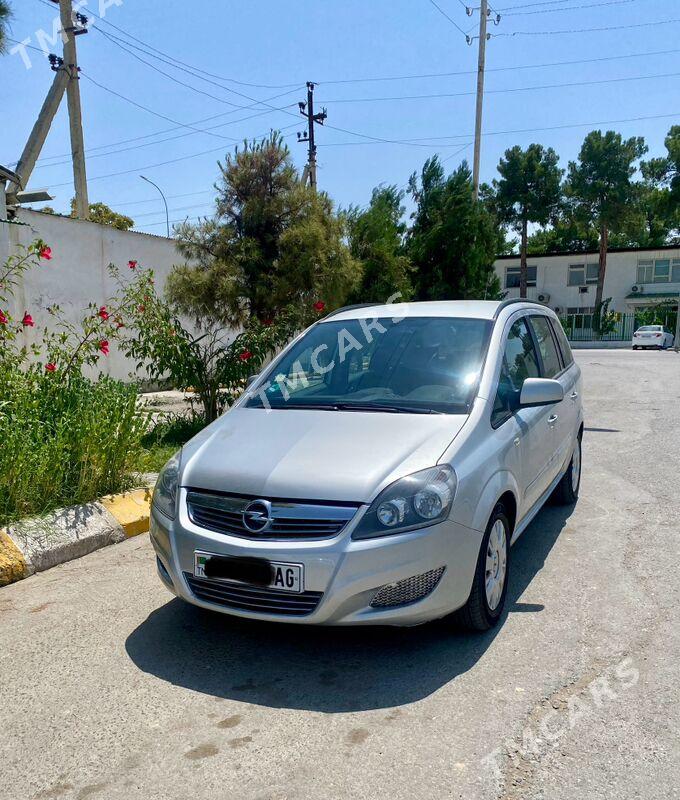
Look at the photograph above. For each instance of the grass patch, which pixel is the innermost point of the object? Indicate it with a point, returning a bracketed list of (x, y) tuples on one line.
[(165, 439)]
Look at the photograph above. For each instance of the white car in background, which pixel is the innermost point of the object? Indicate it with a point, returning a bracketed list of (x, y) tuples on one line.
[(652, 336)]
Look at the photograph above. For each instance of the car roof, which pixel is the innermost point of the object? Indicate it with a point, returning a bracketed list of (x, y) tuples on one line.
[(472, 309)]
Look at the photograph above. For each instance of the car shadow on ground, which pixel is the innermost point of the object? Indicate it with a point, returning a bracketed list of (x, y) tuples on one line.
[(326, 669)]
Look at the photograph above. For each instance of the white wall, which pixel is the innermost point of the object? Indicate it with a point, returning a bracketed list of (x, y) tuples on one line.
[(552, 274), (78, 272)]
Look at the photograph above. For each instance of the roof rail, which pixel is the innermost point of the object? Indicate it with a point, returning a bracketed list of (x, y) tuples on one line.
[(351, 308), (513, 301)]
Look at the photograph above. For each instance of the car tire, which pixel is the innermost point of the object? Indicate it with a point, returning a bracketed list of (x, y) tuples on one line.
[(487, 598), (566, 491), (635, 347)]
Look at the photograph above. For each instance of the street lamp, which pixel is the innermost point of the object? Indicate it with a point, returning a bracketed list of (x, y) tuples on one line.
[(167, 216)]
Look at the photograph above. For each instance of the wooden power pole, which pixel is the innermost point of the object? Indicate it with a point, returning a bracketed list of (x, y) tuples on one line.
[(65, 80), (307, 110), (483, 16), (69, 33)]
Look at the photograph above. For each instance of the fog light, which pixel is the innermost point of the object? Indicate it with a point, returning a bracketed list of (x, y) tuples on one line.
[(409, 590)]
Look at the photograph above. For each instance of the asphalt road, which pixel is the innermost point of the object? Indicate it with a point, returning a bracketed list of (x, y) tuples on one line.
[(109, 688)]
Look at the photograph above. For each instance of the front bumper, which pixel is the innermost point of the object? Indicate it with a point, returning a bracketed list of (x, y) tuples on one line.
[(347, 573)]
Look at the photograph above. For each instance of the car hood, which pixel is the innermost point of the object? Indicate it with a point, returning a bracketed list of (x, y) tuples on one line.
[(312, 454)]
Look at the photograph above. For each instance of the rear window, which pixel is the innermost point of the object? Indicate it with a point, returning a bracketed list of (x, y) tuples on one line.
[(563, 342), (650, 328), (546, 346)]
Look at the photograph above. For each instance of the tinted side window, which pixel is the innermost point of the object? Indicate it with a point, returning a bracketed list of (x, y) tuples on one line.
[(547, 346), (519, 362), (567, 357)]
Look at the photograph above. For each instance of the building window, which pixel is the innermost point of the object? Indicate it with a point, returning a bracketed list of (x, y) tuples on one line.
[(512, 277), (658, 270), (582, 274), (583, 310)]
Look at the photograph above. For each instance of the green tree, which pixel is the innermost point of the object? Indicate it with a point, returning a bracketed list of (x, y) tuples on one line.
[(376, 239), (5, 14), (454, 240), (600, 188), (565, 235), (528, 191), (272, 242), (100, 213)]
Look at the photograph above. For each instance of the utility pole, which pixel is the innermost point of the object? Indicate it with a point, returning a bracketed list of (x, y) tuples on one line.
[(69, 32), (42, 126), (307, 110), (483, 15)]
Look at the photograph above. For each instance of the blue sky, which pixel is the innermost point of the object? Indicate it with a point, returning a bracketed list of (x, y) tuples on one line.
[(281, 43)]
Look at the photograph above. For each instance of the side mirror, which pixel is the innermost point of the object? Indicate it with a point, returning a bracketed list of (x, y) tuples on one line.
[(251, 379), (540, 392)]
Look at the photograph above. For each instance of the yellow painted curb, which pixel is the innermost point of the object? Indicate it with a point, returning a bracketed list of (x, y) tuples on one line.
[(12, 562), (131, 510)]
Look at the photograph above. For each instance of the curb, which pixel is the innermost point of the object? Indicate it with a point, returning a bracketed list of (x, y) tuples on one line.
[(34, 545)]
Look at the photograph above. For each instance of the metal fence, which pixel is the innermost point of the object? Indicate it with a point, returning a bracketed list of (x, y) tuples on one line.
[(579, 327)]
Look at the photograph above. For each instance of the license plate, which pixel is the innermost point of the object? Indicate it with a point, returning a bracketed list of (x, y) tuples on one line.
[(279, 575)]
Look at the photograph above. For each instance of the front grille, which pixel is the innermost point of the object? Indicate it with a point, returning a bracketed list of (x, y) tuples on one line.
[(253, 598), (290, 520), (408, 590)]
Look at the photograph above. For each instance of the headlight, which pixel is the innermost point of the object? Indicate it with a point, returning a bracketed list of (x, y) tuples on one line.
[(415, 501), (165, 491)]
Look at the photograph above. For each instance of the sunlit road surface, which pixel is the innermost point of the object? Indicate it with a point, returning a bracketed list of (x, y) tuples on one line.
[(110, 688)]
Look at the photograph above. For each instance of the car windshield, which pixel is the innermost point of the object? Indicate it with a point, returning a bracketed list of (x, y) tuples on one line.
[(411, 365)]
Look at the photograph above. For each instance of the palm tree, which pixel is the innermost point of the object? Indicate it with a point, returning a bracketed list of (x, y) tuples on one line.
[(5, 14)]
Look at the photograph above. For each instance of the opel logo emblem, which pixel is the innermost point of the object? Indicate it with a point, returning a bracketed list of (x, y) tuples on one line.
[(257, 516)]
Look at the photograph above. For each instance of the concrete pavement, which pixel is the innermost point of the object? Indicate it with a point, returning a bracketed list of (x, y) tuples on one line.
[(110, 688)]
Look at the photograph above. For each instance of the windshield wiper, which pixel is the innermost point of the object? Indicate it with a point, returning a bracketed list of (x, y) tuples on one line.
[(386, 409)]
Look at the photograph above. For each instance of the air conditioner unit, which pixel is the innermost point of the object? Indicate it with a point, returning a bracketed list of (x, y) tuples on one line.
[(583, 290), (543, 297), (637, 289), (558, 310)]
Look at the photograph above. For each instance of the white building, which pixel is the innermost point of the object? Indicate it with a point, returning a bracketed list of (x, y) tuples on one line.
[(567, 282)]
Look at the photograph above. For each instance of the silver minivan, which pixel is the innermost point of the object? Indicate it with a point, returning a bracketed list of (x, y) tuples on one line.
[(378, 470)]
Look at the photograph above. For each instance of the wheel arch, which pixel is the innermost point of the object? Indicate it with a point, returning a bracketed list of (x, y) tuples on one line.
[(500, 488)]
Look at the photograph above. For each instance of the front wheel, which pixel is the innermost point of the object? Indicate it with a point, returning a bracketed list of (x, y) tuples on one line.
[(566, 491), (490, 584)]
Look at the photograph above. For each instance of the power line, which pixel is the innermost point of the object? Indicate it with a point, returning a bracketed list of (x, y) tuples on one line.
[(567, 8), (532, 5), (503, 91), (160, 163), (444, 14), (120, 43), (28, 46), (151, 111), (173, 210), (159, 141), (170, 130), (189, 66), (172, 221), (169, 197), (589, 30), (431, 75), (516, 130)]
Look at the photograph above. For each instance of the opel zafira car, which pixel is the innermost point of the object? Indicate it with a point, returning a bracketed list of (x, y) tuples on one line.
[(378, 470)]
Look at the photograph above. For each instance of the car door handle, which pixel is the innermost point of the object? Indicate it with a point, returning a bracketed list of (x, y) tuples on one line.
[(516, 441), (574, 395), (552, 419)]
